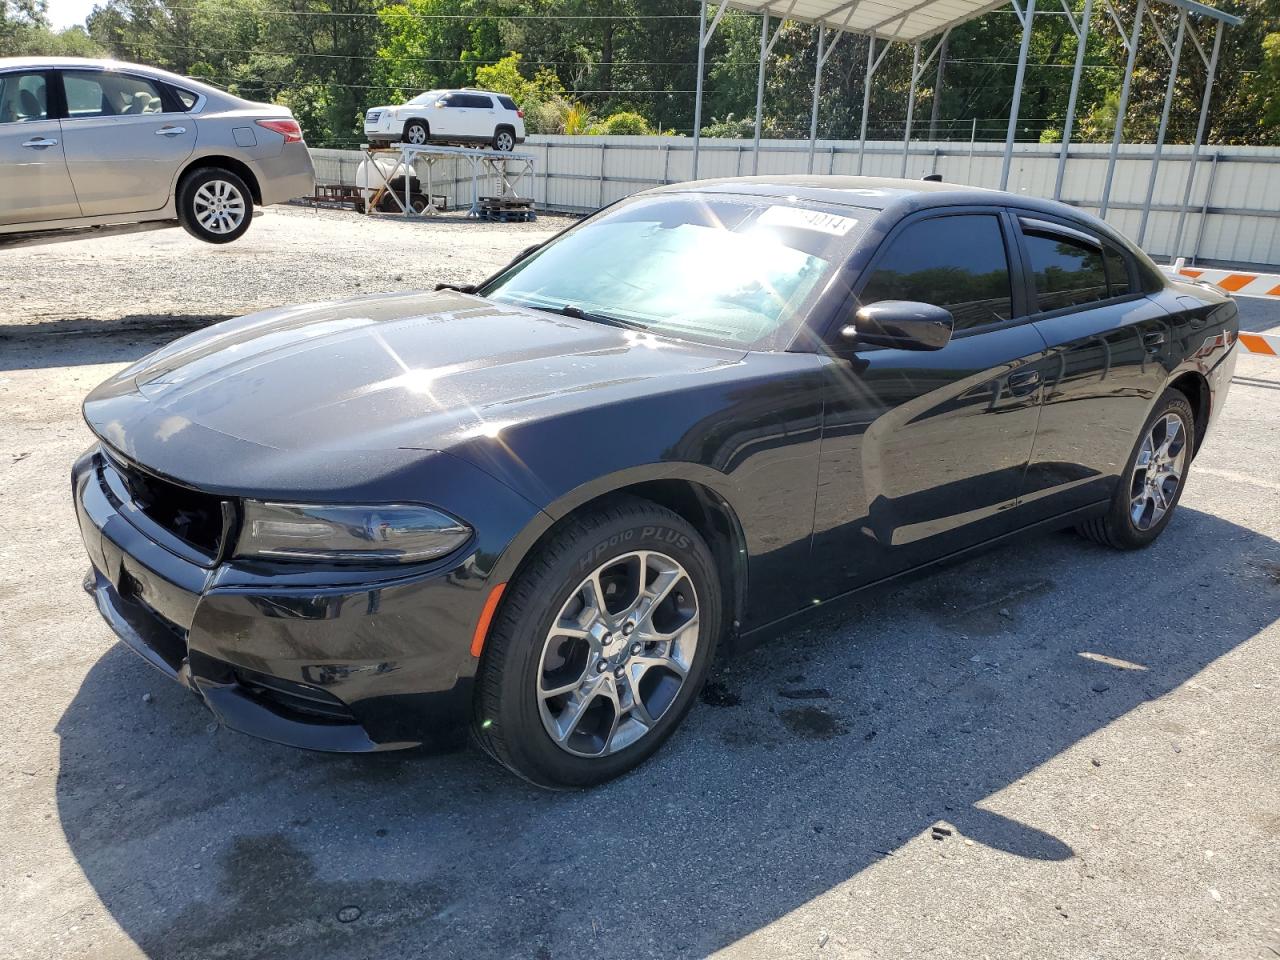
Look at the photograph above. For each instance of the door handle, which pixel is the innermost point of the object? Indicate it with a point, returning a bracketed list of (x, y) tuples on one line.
[(1153, 341), (40, 143), (1023, 382), (170, 131)]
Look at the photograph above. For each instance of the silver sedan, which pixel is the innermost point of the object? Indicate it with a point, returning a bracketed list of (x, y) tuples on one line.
[(90, 143)]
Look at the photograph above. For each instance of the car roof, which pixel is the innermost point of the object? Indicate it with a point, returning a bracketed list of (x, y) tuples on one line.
[(883, 193), (875, 193), (81, 63)]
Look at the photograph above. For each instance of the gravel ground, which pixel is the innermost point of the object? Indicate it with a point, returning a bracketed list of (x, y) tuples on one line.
[(1050, 751)]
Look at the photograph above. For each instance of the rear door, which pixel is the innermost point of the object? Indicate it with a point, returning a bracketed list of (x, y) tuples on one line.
[(923, 452), (126, 136), (485, 116), (1109, 345), (36, 184)]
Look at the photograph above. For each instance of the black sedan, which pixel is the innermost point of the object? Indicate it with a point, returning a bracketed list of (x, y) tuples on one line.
[(538, 507)]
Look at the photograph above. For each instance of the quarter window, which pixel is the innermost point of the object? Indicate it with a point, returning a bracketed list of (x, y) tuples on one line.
[(1068, 272), (23, 98), (106, 94), (1117, 272), (954, 262)]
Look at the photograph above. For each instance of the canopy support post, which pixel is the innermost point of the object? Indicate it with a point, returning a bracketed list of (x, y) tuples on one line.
[(917, 71), (704, 37), (764, 54), (1123, 107), (817, 92), (1164, 126), (766, 48), (1026, 15), (911, 106), (1082, 41), (866, 98), (1211, 68)]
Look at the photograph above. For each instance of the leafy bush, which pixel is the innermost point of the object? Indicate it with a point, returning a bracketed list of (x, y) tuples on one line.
[(625, 124)]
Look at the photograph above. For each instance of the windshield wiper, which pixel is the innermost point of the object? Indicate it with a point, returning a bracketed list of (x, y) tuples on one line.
[(569, 310)]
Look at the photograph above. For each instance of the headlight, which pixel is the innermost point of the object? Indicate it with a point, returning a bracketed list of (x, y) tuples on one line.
[(393, 533)]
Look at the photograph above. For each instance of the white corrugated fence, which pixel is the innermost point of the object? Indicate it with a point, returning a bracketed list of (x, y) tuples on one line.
[(1233, 216)]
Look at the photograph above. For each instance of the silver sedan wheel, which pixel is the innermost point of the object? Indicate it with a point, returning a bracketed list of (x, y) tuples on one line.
[(1158, 471), (618, 654), (219, 206)]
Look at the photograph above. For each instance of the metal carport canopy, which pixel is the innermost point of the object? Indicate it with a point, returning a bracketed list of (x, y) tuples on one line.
[(911, 22), (905, 20)]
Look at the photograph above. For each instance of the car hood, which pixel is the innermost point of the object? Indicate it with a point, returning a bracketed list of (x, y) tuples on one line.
[(389, 373)]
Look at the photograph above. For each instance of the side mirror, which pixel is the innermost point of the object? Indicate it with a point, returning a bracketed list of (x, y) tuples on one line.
[(903, 324)]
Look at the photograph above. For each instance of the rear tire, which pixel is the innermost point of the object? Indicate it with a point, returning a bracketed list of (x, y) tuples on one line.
[(609, 719), (1153, 479), (504, 140), (214, 205)]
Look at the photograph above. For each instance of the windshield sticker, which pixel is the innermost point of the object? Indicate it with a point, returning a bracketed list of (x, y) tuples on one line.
[(805, 219)]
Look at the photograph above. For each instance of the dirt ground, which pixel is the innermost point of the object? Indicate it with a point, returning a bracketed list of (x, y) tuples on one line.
[(1050, 751)]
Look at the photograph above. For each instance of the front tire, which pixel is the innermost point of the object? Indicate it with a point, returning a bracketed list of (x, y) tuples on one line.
[(600, 646), (214, 205), (416, 132), (1154, 478)]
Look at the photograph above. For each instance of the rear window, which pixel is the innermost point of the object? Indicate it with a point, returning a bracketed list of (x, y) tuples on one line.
[(508, 103), (1117, 272), (1068, 272)]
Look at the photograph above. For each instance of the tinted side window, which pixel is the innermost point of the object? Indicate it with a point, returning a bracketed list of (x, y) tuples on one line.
[(106, 94), (1067, 272), (507, 102), (954, 262), (1117, 271), (24, 98), (479, 101), (450, 100)]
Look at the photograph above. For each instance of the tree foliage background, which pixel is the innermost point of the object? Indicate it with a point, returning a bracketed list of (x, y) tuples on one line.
[(628, 66)]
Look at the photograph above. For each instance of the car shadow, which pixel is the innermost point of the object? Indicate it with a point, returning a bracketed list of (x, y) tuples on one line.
[(72, 343), (810, 760)]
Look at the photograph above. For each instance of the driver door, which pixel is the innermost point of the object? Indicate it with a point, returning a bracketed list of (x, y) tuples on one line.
[(924, 452)]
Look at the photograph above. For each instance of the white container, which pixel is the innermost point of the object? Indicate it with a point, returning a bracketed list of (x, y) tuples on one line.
[(370, 178)]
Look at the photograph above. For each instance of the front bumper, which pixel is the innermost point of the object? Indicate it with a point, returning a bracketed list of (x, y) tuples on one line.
[(349, 668)]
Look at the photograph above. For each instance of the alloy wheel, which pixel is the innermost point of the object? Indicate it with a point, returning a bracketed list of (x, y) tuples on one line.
[(1158, 471), (417, 134), (506, 142), (618, 653), (219, 206)]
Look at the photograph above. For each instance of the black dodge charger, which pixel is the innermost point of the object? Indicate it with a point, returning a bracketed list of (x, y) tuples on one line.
[(538, 507)]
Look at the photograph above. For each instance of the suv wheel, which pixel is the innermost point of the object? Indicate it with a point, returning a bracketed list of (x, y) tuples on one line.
[(504, 140), (214, 205), (416, 132), (600, 646)]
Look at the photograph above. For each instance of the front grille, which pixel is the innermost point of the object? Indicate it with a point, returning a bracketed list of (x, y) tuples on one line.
[(372, 116), (200, 520), (294, 699)]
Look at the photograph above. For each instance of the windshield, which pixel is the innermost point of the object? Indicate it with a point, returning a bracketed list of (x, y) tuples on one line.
[(733, 270), (424, 97)]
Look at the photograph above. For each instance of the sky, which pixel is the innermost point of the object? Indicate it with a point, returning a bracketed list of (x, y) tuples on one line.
[(68, 13)]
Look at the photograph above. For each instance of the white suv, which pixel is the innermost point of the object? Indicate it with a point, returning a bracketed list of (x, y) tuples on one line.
[(467, 117)]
